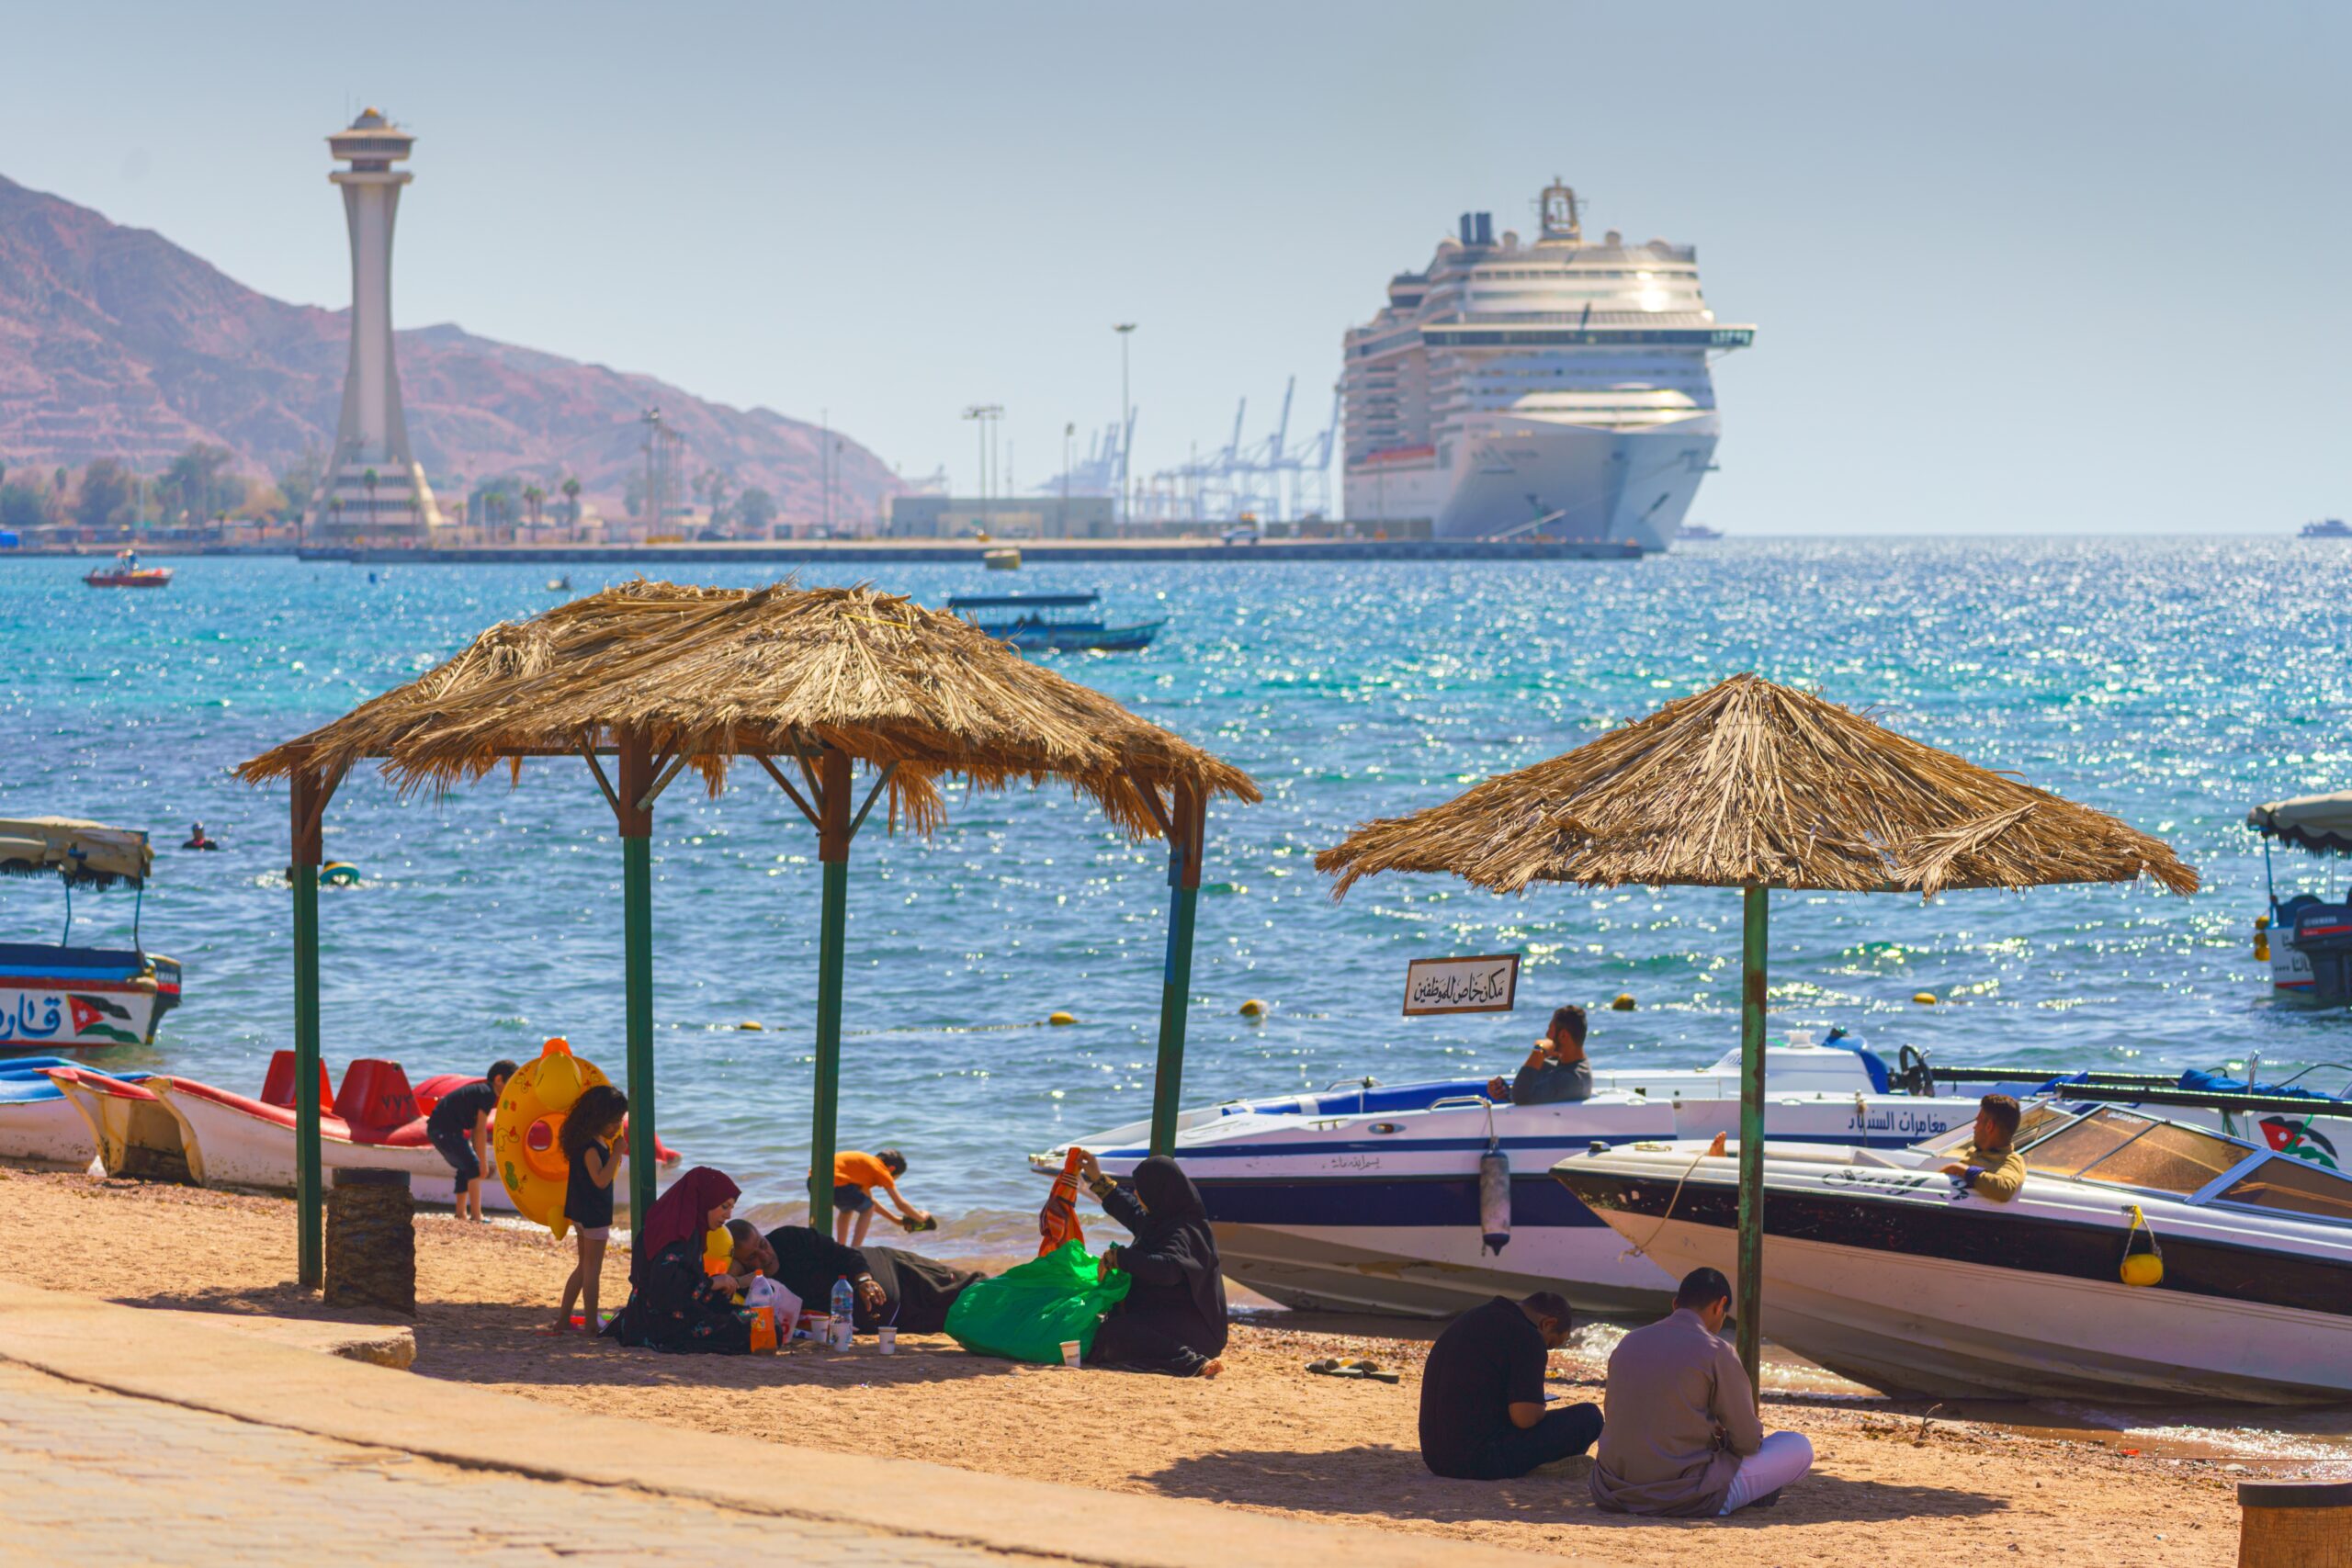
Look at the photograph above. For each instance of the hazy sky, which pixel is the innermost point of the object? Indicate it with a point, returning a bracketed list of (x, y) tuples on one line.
[(2016, 267)]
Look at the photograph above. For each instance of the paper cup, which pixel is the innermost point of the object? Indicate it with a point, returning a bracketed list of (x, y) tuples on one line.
[(1069, 1352), (818, 1326), (889, 1336), (842, 1329)]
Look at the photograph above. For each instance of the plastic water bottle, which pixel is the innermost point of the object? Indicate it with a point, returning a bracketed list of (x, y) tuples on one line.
[(844, 1308)]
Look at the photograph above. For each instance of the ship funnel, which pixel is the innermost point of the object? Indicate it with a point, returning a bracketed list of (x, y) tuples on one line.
[(1486, 228), (1468, 230)]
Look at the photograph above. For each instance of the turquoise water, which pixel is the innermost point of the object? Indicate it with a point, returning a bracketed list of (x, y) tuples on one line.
[(2171, 683)]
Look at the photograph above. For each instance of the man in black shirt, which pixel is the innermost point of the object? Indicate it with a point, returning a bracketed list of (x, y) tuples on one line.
[(1482, 1394), (460, 1128)]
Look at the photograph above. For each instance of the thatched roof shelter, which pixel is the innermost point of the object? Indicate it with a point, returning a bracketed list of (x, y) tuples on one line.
[(709, 675), (1749, 783)]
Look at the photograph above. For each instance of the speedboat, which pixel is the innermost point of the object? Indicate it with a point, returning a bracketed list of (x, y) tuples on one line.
[(37, 1121), (2306, 938), (1368, 1197), (1062, 623), (179, 1129), (127, 573), (55, 995), (1883, 1270)]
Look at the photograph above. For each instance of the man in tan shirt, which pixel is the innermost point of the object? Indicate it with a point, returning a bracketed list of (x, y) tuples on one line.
[(1681, 1438), (1990, 1167)]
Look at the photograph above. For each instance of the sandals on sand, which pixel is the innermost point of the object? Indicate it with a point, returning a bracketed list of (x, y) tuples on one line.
[(1338, 1367)]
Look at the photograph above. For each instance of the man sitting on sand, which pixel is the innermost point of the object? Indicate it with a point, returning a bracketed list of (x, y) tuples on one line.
[(855, 1176), (1482, 1394), (1989, 1166), (1556, 1072), (1682, 1439)]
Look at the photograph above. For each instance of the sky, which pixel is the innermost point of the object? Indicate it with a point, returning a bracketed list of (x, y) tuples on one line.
[(2015, 267)]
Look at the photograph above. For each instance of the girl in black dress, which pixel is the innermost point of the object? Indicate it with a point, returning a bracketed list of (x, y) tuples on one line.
[(1173, 1319), (587, 1142)]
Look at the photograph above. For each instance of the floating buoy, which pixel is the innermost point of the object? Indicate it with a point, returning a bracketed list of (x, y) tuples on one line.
[(1924, 998), (338, 874), (1253, 1008), (2142, 1264), (1624, 1002), (751, 1023), (1059, 1019), (2262, 939)]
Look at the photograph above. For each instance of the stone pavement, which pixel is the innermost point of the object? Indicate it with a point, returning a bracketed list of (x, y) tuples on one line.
[(92, 1476), (137, 1437)]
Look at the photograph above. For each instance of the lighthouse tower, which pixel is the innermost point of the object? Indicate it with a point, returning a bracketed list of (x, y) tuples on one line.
[(374, 489)]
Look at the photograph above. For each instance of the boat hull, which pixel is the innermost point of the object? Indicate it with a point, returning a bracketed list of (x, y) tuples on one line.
[(82, 999)]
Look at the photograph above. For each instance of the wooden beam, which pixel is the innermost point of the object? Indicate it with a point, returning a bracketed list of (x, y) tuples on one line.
[(785, 784)]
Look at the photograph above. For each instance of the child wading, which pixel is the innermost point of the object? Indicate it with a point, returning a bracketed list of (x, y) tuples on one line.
[(589, 1138)]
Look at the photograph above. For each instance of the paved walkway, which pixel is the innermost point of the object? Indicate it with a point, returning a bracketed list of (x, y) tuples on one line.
[(92, 1476)]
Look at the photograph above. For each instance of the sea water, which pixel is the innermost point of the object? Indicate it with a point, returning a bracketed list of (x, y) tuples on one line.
[(2171, 683)]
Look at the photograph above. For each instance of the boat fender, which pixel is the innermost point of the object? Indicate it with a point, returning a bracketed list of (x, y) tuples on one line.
[(525, 1137), (2262, 939), (2143, 1265), (1494, 1199)]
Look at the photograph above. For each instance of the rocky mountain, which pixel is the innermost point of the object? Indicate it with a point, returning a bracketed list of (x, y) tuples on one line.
[(115, 342)]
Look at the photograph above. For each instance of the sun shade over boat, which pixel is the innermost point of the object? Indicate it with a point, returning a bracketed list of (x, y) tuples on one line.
[(89, 854), (2319, 823)]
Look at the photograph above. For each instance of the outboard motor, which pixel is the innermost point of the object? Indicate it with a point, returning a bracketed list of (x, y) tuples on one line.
[(2323, 934)]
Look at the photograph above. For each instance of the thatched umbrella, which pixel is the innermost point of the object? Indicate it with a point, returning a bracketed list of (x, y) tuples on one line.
[(1752, 785), (662, 678)]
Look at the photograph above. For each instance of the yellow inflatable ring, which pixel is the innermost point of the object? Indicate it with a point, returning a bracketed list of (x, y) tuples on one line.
[(525, 1142)]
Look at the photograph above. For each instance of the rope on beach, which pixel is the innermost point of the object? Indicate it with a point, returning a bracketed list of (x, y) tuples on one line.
[(1642, 1249)]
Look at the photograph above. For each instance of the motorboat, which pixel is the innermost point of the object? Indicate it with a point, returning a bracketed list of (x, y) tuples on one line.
[(2306, 937), (2327, 528), (127, 573), (57, 996), (37, 1121), (1368, 1197), (1062, 623), (1885, 1270), (1001, 558), (216, 1137)]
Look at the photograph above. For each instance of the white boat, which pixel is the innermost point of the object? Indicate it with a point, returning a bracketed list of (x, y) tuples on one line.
[(2306, 937), (1367, 1197), (1883, 1270), (37, 1121), (1558, 387), (58, 997)]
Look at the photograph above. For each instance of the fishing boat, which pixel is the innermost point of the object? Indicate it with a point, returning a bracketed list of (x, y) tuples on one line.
[(1062, 623), (56, 996), (127, 573), (37, 1121), (221, 1138), (1883, 1270), (2307, 937)]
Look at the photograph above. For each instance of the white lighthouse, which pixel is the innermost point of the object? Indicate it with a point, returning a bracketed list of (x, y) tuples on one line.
[(374, 489)]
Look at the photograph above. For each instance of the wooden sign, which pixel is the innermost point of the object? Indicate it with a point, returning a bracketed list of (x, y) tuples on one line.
[(1488, 984)]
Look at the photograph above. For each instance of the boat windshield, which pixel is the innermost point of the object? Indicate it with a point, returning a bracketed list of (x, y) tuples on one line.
[(2038, 1118), (2296, 1186), (2131, 1150)]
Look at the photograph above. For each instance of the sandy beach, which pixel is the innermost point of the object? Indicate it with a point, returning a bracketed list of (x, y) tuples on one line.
[(1892, 1481)]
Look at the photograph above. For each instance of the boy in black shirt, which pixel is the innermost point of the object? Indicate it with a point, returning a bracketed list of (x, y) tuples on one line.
[(460, 1128), (1482, 1394)]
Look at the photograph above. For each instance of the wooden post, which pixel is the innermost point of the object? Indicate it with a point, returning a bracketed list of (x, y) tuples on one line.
[(309, 805), (1189, 831), (834, 831), (634, 820), (1753, 936), (2288, 1524)]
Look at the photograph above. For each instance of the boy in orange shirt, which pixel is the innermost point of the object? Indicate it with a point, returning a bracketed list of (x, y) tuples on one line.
[(855, 1175)]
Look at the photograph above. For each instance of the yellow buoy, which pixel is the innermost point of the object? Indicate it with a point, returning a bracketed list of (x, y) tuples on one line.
[(1253, 1008), (751, 1023), (2144, 1264), (1924, 998), (1624, 1002), (1059, 1019)]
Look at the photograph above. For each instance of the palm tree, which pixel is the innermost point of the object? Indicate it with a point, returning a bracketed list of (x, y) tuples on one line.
[(572, 500), (532, 496)]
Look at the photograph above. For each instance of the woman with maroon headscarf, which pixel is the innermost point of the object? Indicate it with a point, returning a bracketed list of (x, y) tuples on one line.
[(673, 1304)]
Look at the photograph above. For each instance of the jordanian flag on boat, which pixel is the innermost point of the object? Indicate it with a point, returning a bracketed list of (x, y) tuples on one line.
[(88, 1011)]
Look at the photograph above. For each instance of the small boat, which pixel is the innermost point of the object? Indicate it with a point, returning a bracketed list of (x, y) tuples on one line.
[(223, 1139), (558, 585), (1885, 1270), (2327, 528), (129, 573), (2307, 938), (1001, 558), (55, 995), (1030, 622), (37, 1121), (1698, 531)]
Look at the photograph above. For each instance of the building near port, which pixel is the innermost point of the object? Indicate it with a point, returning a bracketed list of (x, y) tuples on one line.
[(1001, 516), (1557, 388), (373, 488)]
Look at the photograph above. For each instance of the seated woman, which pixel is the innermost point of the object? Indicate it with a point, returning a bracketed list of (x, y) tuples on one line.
[(904, 1289), (1173, 1318), (673, 1304)]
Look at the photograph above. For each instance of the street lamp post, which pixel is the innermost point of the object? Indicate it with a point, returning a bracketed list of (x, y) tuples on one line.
[(985, 414), (1127, 428)]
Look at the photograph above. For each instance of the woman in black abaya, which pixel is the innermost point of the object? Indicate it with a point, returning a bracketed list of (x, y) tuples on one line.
[(1173, 1319)]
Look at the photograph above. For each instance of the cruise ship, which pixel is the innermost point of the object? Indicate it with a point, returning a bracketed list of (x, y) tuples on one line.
[(1558, 387)]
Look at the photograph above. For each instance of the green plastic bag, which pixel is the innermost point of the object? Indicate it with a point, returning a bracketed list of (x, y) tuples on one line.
[(1025, 1312)]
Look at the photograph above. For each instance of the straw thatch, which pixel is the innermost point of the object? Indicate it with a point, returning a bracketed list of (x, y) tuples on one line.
[(718, 674), (1748, 784)]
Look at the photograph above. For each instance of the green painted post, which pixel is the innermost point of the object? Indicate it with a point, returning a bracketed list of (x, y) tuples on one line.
[(309, 803), (1185, 847), (1754, 933), (833, 954), (635, 773)]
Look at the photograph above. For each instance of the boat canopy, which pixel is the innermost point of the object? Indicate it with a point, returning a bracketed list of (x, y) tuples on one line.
[(88, 853), (2319, 823), (1023, 601)]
